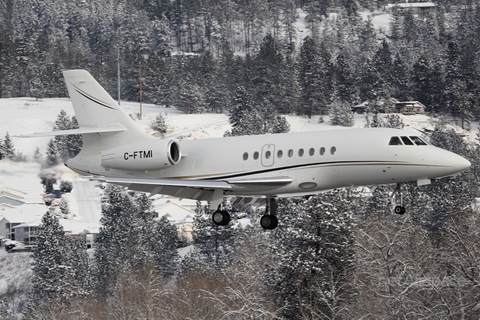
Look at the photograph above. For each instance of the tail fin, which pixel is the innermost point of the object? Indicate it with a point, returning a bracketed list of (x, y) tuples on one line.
[(95, 109)]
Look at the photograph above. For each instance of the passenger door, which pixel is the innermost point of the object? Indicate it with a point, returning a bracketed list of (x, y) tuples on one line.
[(268, 155)]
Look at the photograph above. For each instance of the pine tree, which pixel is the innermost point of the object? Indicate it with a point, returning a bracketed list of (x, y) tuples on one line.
[(341, 114), (159, 124), (309, 66), (421, 82), (52, 155), (57, 273), (315, 257), (130, 240), (37, 156), (8, 147), (400, 79), (214, 245), (67, 146), (340, 110), (115, 247), (248, 118), (266, 79)]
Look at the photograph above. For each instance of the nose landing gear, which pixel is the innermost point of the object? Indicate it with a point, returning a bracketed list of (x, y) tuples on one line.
[(398, 209)]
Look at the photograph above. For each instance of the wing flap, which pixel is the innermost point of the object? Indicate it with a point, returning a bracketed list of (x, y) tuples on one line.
[(268, 181), (198, 184)]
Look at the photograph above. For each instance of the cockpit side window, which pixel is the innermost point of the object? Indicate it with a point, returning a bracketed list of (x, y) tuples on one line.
[(407, 141), (395, 141), (418, 141)]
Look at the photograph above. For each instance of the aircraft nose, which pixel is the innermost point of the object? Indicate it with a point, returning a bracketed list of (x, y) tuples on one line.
[(457, 163), (462, 164)]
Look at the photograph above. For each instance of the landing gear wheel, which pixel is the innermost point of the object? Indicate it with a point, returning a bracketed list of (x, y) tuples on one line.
[(221, 218), (269, 222), (399, 210)]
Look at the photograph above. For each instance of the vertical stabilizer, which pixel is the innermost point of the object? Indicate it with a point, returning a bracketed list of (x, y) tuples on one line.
[(103, 124), (95, 108)]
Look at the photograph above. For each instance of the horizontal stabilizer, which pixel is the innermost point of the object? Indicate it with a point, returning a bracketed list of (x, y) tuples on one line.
[(110, 128)]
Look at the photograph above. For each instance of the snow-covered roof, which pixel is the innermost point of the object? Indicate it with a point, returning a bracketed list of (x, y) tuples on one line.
[(73, 227), (32, 223), (160, 200), (13, 193), (175, 213), (412, 5), (24, 213), (11, 200), (4, 206)]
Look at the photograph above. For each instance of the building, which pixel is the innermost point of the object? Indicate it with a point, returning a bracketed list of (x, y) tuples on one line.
[(28, 232), (410, 107), (179, 216), (415, 7), (16, 216)]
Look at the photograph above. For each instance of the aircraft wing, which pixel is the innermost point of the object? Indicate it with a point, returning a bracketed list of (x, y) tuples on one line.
[(195, 189)]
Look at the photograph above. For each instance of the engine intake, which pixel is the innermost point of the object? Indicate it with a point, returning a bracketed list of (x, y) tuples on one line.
[(147, 155)]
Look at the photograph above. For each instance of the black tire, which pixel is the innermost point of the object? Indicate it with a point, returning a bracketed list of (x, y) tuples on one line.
[(221, 218), (399, 210), (269, 222)]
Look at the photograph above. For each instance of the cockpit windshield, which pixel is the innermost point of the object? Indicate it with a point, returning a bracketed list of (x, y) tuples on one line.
[(408, 141), (418, 141)]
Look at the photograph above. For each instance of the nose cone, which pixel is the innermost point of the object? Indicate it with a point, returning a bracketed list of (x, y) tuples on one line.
[(454, 163), (462, 164)]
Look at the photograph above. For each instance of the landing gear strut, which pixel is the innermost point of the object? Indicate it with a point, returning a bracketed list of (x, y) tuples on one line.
[(398, 209), (269, 221)]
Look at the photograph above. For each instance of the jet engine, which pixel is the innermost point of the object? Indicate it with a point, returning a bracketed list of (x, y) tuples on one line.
[(147, 155)]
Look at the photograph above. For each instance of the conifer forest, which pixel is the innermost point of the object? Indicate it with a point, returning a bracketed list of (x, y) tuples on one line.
[(342, 254)]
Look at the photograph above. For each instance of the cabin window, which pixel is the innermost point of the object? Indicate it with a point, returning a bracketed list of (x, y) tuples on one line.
[(322, 151), (407, 141), (301, 152), (245, 156), (311, 152), (395, 141), (290, 153), (333, 150), (418, 141), (279, 154), (255, 155), (268, 154)]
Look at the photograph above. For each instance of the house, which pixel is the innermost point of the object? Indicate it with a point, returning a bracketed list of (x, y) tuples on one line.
[(16, 197), (29, 231), (415, 7), (19, 215), (12, 197), (179, 216), (410, 107), (383, 106)]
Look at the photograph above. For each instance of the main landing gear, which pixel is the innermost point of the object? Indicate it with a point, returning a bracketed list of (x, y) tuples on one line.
[(398, 209), (268, 221), (221, 217)]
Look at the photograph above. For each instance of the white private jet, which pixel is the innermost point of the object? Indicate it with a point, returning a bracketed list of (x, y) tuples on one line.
[(117, 151)]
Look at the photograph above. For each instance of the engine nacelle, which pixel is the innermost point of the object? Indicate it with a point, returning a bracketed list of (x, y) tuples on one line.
[(148, 155)]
